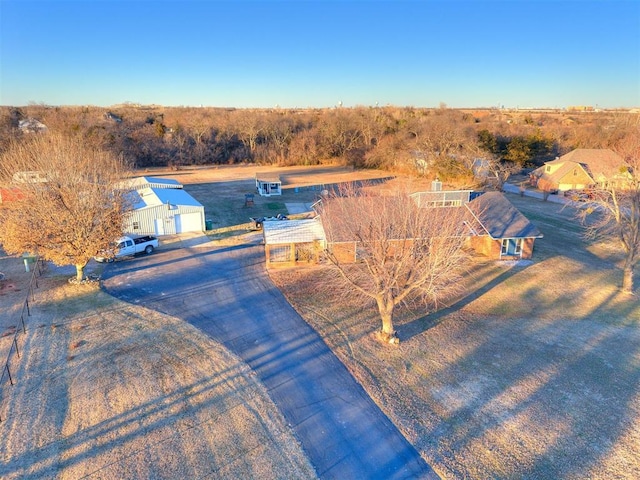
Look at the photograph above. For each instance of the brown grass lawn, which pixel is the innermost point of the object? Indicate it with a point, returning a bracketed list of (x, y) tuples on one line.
[(222, 190), (535, 373)]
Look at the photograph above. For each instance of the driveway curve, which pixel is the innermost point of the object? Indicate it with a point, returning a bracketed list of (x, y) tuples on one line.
[(226, 293)]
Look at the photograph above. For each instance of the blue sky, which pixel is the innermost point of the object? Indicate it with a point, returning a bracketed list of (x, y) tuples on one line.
[(512, 53)]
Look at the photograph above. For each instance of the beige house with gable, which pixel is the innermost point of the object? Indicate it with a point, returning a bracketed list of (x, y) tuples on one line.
[(580, 169)]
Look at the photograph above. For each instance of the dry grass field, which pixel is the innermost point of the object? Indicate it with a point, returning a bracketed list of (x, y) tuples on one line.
[(222, 190), (534, 373)]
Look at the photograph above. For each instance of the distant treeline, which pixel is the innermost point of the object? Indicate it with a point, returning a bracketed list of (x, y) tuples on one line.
[(442, 141)]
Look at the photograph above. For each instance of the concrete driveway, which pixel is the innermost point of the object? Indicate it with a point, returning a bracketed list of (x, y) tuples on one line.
[(225, 292)]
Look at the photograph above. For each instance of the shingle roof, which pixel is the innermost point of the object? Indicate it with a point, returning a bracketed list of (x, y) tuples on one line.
[(292, 231), (268, 177), (500, 218), (598, 162)]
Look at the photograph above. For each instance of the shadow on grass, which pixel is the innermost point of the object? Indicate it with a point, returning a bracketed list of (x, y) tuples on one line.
[(420, 325)]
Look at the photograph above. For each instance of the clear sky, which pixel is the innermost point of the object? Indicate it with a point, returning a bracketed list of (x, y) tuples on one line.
[(512, 53)]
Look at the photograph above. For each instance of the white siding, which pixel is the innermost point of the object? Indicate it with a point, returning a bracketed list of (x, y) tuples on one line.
[(147, 219), (189, 222)]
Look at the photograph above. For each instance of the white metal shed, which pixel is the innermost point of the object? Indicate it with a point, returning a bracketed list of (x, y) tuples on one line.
[(164, 211)]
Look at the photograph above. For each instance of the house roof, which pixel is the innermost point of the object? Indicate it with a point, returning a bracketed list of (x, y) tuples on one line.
[(11, 194), (292, 231), (500, 218), (597, 162), (268, 177), (152, 197), (31, 125)]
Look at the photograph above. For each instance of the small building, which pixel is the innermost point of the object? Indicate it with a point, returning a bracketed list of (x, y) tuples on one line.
[(504, 233), (289, 243), (164, 211), (268, 184), (31, 125), (113, 117)]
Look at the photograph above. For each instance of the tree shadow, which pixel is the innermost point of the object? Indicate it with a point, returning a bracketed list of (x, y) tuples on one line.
[(407, 331)]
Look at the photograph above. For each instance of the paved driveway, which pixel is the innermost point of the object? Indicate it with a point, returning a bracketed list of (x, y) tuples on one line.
[(226, 293)]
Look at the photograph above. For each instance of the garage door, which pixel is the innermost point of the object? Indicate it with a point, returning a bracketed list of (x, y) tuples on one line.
[(189, 222)]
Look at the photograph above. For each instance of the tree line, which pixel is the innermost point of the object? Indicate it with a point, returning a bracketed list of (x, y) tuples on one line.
[(439, 142)]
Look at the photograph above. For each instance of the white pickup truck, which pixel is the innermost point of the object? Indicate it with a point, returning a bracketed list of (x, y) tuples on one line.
[(127, 246)]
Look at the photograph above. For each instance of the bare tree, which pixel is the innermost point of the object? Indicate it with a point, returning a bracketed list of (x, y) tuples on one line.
[(617, 211), (70, 208), (499, 171), (388, 250)]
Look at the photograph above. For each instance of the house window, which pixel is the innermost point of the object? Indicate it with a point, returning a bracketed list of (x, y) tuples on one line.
[(575, 171), (518, 248), (511, 246), (548, 168), (136, 225)]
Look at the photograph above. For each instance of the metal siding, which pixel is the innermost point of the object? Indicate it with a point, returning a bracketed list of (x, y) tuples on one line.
[(146, 217), (188, 222)]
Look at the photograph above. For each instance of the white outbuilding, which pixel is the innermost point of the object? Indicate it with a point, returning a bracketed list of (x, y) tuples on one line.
[(164, 211)]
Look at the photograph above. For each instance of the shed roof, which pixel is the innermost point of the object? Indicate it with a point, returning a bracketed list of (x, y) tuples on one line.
[(142, 182), (268, 177), (151, 197), (500, 218), (292, 231)]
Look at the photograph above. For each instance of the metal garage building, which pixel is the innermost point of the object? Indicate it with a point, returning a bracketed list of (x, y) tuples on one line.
[(164, 211)]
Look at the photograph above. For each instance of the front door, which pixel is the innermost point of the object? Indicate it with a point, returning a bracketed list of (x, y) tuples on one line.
[(159, 226)]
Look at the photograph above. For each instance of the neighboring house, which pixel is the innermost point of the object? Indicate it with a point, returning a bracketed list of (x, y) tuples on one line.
[(10, 194), (30, 176), (31, 125), (288, 243), (113, 117), (505, 232), (138, 183), (164, 211), (268, 184), (580, 169)]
